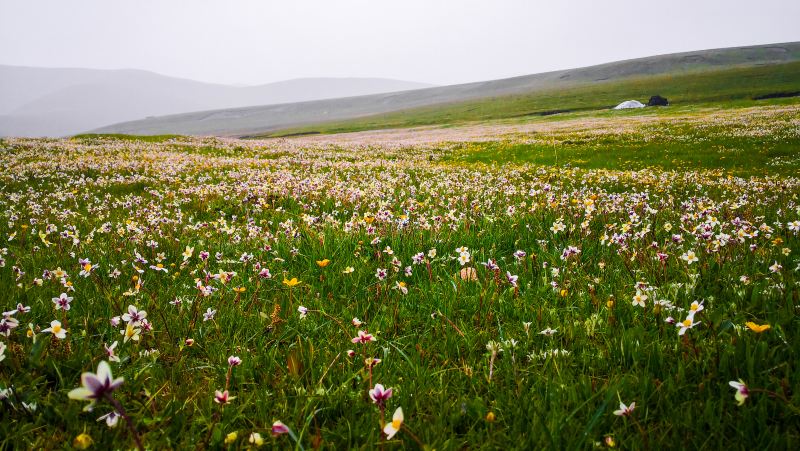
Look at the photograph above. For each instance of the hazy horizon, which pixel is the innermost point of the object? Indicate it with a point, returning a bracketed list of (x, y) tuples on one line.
[(234, 85), (251, 43)]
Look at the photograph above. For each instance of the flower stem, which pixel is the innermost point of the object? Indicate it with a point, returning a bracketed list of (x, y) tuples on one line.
[(128, 420)]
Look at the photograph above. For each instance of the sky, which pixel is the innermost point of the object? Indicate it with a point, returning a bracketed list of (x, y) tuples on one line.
[(434, 41)]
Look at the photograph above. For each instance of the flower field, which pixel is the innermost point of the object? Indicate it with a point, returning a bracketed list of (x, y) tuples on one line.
[(626, 281)]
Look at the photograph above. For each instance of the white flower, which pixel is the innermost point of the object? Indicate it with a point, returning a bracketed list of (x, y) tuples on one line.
[(110, 351), (209, 314), (394, 426), (639, 298), (689, 257), (111, 418), (56, 329), (686, 324)]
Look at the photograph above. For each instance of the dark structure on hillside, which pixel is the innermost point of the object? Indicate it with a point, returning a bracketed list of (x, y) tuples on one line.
[(658, 101)]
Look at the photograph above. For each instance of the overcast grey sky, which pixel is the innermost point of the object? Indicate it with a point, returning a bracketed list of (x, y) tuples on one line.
[(443, 42)]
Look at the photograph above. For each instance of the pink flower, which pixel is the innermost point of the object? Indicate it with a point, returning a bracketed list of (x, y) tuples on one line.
[(223, 397), (234, 361), (379, 395), (279, 428), (96, 386), (624, 410), (512, 279), (62, 302), (363, 337)]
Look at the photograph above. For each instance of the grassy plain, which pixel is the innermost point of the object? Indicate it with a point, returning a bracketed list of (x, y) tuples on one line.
[(520, 278)]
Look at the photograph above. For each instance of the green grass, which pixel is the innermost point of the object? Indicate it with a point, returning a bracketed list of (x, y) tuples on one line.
[(291, 207), (710, 87), (670, 140)]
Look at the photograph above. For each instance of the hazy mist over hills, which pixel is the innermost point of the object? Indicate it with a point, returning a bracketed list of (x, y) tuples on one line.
[(261, 119), (57, 102)]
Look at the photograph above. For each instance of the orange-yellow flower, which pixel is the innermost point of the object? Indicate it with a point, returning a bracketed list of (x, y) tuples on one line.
[(291, 283), (323, 263), (756, 327)]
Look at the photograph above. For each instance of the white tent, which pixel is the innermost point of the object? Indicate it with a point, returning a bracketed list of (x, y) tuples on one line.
[(629, 104)]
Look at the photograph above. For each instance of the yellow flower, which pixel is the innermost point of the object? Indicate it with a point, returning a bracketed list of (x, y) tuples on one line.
[(323, 263), (490, 417), (239, 289), (291, 283), (82, 441), (130, 333), (43, 237), (230, 438), (187, 254), (757, 328), (256, 439)]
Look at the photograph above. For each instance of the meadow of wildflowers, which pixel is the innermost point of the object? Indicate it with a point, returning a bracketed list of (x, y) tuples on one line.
[(406, 289)]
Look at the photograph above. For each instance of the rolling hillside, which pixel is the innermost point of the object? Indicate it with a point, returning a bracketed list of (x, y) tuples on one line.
[(702, 76), (55, 102)]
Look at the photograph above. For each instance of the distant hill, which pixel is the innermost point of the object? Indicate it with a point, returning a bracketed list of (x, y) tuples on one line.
[(56, 102), (748, 71)]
